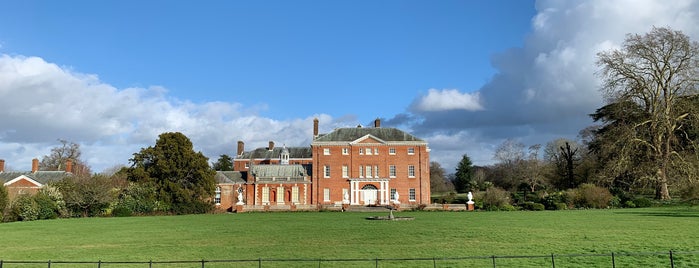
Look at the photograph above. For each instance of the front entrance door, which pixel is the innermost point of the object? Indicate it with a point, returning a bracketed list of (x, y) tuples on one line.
[(369, 194)]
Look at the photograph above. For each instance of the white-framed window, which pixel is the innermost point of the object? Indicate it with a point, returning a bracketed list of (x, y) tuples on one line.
[(412, 194), (392, 151), (361, 151), (280, 195), (345, 171), (393, 193), (265, 195), (411, 171), (295, 194), (411, 150), (376, 171), (247, 165), (345, 151), (361, 171), (326, 151), (326, 194), (368, 171), (217, 197), (368, 151), (376, 151), (345, 192), (392, 171), (326, 171)]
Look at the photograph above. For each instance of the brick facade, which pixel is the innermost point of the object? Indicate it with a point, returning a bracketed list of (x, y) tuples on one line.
[(352, 166)]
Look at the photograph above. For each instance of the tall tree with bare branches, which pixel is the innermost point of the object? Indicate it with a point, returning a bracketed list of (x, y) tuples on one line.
[(656, 71)]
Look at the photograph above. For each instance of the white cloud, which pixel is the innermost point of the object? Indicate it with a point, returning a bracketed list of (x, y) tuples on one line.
[(448, 99), (546, 88), (41, 102)]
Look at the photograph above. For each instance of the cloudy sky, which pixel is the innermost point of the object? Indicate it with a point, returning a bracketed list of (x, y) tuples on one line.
[(463, 75)]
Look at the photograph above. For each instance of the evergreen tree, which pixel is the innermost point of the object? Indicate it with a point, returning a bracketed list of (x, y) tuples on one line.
[(464, 175), (183, 180), (224, 163)]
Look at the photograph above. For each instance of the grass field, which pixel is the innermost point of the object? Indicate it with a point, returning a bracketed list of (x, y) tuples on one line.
[(346, 235)]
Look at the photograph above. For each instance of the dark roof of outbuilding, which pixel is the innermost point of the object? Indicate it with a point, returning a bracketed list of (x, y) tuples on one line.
[(42, 177), (351, 134), (265, 153), (230, 177)]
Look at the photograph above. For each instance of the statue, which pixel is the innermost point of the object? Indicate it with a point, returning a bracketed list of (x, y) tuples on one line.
[(395, 198), (240, 197), (470, 197)]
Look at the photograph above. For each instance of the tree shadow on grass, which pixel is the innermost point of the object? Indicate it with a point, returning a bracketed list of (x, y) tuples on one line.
[(691, 212)]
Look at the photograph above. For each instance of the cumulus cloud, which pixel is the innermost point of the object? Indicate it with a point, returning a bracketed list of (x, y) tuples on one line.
[(41, 102), (447, 99), (546, 88)]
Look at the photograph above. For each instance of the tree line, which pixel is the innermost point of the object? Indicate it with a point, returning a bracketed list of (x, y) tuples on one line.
[(167, 178), (643, 143)]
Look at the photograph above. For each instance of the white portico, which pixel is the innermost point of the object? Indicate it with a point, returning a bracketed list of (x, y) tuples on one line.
[(369, 191)]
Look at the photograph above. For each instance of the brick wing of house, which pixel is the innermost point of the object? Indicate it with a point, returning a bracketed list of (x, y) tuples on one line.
[(29, 182)]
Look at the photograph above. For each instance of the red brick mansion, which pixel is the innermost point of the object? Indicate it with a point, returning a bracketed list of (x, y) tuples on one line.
[(362, 166)]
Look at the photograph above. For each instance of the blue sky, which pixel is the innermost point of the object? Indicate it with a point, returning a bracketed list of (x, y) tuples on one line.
[(275, 54), (463, 75)]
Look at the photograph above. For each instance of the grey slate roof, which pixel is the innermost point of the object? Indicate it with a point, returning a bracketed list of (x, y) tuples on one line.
[(264, 153), (230, 177), (351, 134), (278, 171), (42, 177)]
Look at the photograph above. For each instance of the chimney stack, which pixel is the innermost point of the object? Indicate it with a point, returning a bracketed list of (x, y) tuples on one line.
[(377, 122), (271, 145), (241, 147), (69, 166), (315, 127), (2, 165), (35, 165)]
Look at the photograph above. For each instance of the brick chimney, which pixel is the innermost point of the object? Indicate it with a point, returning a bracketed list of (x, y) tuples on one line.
[(35, 165), (315, 127), (377, 122), (2, 165), (271, 145), (69, 166), (241, 147)]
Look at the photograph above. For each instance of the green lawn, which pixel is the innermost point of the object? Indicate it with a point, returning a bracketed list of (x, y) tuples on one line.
[(333, 235)]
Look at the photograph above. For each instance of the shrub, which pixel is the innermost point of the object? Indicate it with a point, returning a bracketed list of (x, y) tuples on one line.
[(51, 204), (552, 201), (24, 208), (138, 198), (560, 206), (690, 193), (496, 199), (48, 209), (629, 204), (4, 201), (121, 211), (591, 196), (642, 202), (532, 206)]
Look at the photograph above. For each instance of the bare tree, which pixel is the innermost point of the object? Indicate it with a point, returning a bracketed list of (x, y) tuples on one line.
[(564, 155), (59, 155), (654, 71)]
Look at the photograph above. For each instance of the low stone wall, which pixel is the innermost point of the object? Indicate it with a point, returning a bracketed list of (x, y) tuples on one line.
[(273, 208)]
